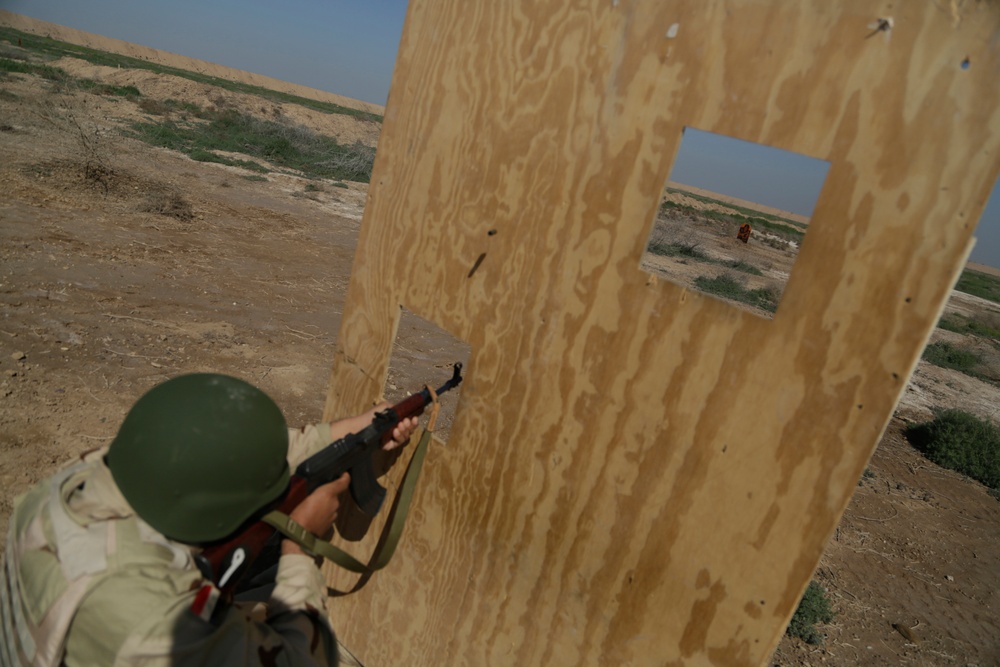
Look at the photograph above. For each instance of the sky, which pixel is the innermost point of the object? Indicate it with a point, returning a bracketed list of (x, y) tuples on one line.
[(349, 47)]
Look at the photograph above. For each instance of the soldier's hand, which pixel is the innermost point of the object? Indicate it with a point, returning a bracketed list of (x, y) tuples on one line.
[(318, 512), (401, 434)]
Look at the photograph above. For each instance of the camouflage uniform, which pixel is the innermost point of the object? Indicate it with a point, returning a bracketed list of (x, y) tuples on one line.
[(87, 582)]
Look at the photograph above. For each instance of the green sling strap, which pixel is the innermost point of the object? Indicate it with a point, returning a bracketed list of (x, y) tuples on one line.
[(389, 538)]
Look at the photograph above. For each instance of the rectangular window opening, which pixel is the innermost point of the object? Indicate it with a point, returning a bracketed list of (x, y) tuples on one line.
[(425, 354), (732, 218)]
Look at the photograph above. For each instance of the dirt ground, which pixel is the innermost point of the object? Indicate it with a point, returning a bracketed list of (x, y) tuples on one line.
[(163, 266)]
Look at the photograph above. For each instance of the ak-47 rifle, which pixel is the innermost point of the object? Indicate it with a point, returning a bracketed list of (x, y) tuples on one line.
[(228, 562)]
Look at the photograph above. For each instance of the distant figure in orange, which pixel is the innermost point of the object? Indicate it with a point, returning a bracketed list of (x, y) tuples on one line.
[(744, 233)]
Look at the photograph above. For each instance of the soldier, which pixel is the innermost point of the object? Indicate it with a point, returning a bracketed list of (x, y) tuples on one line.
[(100, 564)]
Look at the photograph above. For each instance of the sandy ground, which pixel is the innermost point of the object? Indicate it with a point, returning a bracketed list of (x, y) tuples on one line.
[(103, 297)]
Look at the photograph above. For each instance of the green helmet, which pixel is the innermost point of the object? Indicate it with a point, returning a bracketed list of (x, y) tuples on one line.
[(199, 454)]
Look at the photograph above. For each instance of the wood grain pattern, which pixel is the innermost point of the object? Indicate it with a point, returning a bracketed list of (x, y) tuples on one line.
[(639, 474)]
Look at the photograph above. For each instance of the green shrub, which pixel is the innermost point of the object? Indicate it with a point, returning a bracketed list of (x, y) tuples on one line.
[(170, 204), (154, 106), (98, 88), (44, 71), (729, 287), (947, 355), (979, 284), (983, 325), (674, 249), (740, 265), (282, 144), (960, 441), (813, 608)]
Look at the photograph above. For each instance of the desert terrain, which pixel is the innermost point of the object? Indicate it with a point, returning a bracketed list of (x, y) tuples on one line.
[(124, 264)]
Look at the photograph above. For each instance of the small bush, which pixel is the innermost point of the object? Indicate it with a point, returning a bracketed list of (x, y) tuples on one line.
[(44, 71), (98, 88), (960, 441), (183, 107), (201, 155), (11, 53), (169, 204), (979, 284), (813, 608), (282, 144), (947, 355), (984, 325), (154, 107), (353, 163), (740, 265), (674, 249), (729, 287)]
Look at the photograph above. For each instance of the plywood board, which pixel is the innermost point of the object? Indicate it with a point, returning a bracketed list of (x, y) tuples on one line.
[(640, 474)]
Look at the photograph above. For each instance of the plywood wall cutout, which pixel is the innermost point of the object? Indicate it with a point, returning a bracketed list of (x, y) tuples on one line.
[(641, 475)]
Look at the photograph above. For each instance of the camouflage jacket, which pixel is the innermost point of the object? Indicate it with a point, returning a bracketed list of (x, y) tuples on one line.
[(87, 582)]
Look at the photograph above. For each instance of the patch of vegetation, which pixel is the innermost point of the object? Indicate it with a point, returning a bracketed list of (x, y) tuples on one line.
[(55, 49), (340, 184), (169, 204), (201, 155), (983, 325), (183, 107), (255, 177), (946, 355), (728, 287), (674, 249), (282, 144), (813, 608), (22, 67), (154, 107), (60, 77), (658, 245), (979, 284), (168, 106), (744, 267), (10, 51), (778, 229), (98, 88), (960, 441)]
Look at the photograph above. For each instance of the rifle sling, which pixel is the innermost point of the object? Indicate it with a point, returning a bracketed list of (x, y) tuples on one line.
[(388, 540)]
